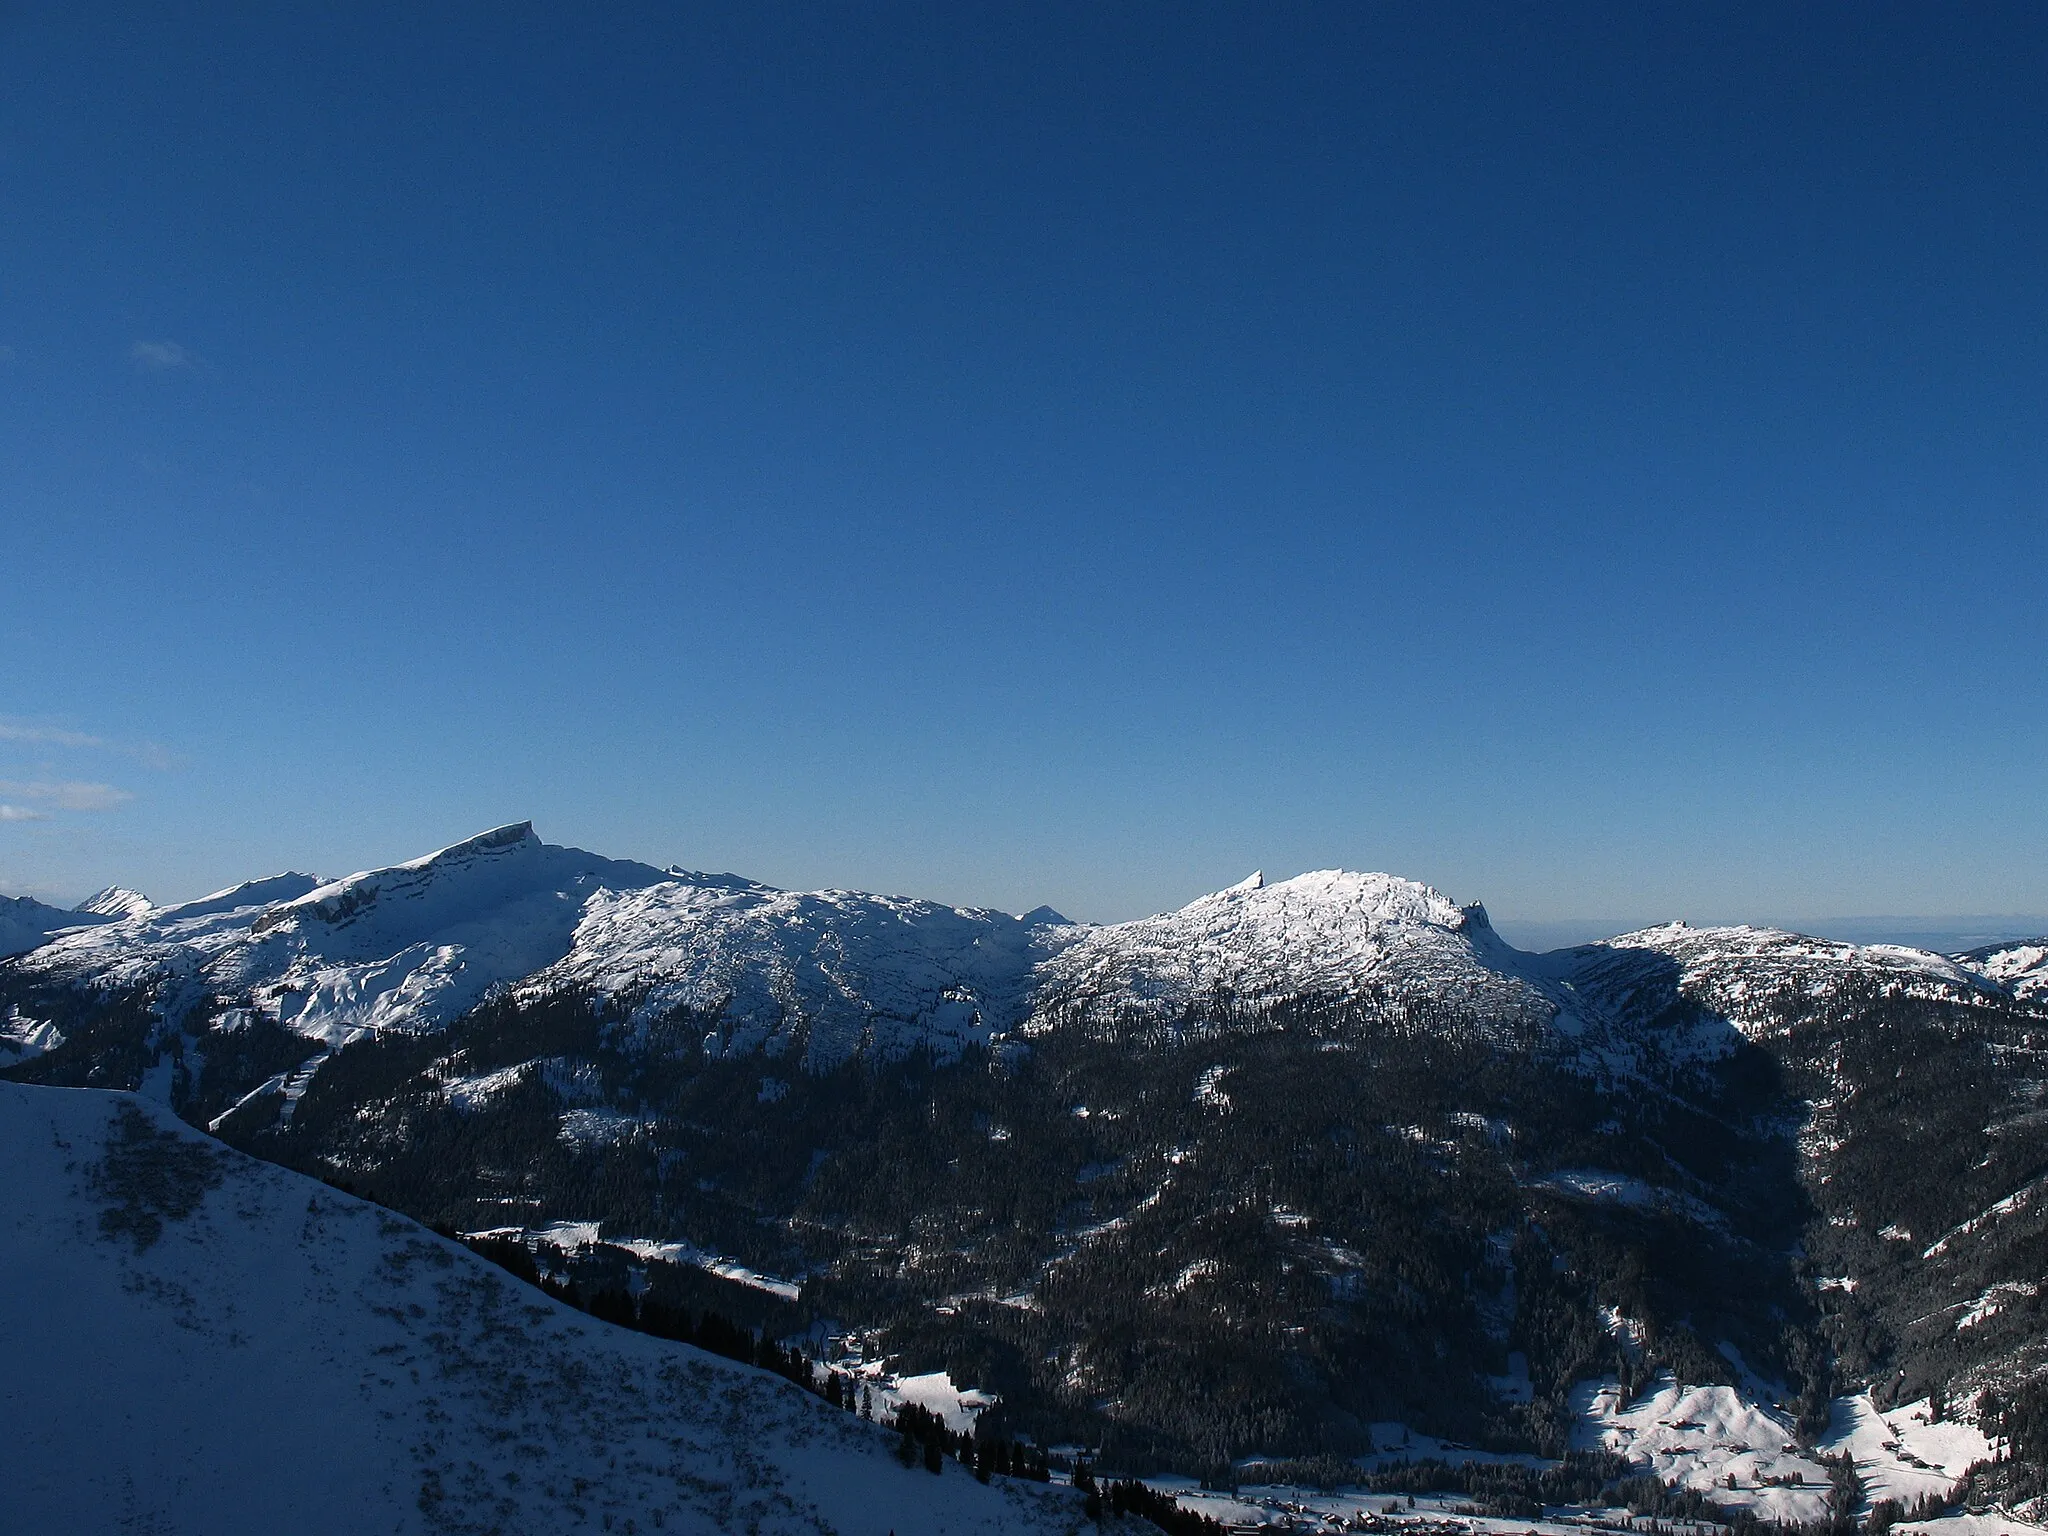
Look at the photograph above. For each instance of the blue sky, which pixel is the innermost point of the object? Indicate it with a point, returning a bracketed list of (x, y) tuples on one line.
[(1588, 457)]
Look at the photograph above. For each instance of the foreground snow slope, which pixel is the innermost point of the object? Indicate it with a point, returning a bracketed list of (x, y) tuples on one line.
[(198, 1342)]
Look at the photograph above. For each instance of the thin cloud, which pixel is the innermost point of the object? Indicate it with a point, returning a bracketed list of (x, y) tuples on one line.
[(29, 734), (20, 813), (49, 736), (159, 356), (67, 794)]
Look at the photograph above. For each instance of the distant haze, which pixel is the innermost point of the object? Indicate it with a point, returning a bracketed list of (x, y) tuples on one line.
[(1943, 935)]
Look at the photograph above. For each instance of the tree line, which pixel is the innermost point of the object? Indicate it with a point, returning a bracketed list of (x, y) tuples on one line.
[(924, 1435)]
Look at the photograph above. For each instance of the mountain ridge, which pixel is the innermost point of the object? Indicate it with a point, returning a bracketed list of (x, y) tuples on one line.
[(411, 945), (1330, 1142)]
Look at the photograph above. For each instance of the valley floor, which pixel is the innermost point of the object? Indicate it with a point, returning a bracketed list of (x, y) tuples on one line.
[(1693, 1437)]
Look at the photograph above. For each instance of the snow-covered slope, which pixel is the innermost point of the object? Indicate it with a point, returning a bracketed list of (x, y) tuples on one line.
[(116, 901), (198, 1342), (2021, 968), (825, 974), (1752, 977), (1331, 934), (407, 947), (26, 923), (413, 946)]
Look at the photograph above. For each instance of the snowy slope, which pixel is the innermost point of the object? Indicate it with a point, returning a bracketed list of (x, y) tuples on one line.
[(407, 947), (1700, 1437), (26, 923), (1330, 934), (197, 1342), (1751, 977), (116, 901), (823, 973), (2021, 968)]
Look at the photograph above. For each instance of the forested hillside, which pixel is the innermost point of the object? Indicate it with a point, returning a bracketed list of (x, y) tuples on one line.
[(1247, 1178)]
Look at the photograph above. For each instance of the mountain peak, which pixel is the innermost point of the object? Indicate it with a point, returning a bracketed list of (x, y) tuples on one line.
[(116, 901), (1379, 898), (341, 901)]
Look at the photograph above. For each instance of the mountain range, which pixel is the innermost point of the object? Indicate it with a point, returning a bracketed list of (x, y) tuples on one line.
[(1246, 1178)]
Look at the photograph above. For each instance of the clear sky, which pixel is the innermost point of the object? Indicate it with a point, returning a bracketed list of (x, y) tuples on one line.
[(1587, 457)]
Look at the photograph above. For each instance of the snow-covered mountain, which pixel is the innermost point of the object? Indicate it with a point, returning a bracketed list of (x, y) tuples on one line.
[(1337, 1109), (411, 947), (26, 923), (1755, 978), (2021, 968), (1330, 934), (820, 975), (116, 901), (825, 975), (199, 1342), (406, 947)]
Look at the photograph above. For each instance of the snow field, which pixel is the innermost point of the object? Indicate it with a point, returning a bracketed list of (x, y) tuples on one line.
[(1898, 1453), (200, 1343)]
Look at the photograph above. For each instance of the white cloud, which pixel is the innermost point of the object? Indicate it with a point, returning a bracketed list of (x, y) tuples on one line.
[(19, 813), (27, 733), (68, 794), (48, 735), (159, 356)]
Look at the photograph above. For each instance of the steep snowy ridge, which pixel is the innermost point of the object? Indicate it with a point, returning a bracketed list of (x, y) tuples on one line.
[(201, 1343), (153, 947), (415, 945), (370, 912), (116, 901)]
